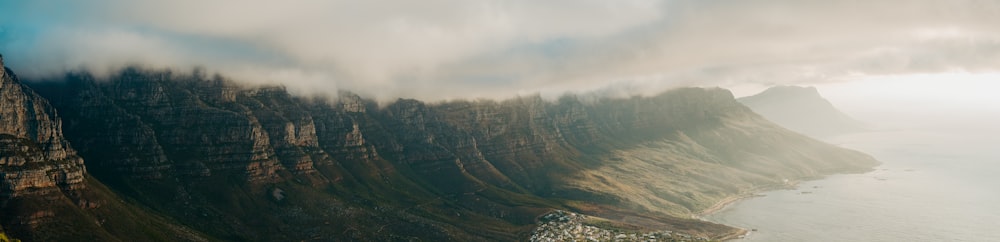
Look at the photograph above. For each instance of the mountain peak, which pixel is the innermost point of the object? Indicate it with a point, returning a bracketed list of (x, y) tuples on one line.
[(35, 158), (801, 109), (792, 90)]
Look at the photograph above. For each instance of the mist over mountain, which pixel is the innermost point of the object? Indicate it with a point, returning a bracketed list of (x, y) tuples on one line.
[(452, 49), (198, 158), (47, 194), (801, 109)]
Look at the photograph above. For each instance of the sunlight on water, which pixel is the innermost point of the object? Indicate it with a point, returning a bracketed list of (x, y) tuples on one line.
[(932, 186)]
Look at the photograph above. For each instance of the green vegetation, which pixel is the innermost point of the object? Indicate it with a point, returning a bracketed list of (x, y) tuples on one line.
[(97, 215), (4, 238)]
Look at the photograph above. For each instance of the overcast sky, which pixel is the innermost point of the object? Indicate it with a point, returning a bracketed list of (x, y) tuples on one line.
[(442, 49)]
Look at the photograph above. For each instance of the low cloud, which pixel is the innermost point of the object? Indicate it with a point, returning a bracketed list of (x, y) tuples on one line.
[(445, 49)]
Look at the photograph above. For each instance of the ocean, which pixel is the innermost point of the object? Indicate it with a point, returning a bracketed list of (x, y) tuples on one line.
[(936, 183)]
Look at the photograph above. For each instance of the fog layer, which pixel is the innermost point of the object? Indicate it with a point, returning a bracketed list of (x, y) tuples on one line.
[(443, 49)]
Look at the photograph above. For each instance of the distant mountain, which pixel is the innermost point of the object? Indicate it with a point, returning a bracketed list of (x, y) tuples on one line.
[(803, 110), (206, 158)]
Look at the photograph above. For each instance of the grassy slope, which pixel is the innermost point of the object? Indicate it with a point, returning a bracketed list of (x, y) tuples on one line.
[(112, 219)]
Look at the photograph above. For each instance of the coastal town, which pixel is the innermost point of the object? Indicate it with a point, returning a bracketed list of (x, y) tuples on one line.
[(568, 226)]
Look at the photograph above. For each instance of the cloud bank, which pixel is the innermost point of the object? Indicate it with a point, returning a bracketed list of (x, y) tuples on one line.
[(443, 49)]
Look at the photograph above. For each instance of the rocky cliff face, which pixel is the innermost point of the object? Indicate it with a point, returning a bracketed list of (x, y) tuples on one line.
[(46, 193), (258, 163), (40, 174), (35, 158), (144, 126)]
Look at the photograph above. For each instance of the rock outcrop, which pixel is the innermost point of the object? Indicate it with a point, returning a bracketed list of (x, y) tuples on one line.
[(35, 158), (46, 193)]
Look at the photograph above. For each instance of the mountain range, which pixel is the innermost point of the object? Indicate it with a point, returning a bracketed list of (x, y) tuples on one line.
[(158, 155)]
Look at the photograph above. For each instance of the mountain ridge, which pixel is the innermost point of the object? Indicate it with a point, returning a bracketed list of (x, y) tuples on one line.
[(244, 163)]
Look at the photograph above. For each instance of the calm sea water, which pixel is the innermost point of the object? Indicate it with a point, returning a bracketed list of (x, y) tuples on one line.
[(933, 185)]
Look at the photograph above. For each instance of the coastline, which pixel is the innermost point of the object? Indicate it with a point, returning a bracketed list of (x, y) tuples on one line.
[(730, 200), (722, 204), (725, 202)]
